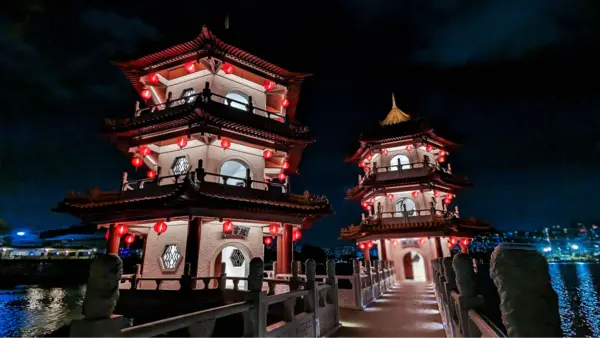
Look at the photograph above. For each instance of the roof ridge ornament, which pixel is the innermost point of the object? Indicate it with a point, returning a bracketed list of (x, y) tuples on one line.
[(395, 115)]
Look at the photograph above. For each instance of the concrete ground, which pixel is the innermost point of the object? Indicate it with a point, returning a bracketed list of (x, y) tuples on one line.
[(408, 310)]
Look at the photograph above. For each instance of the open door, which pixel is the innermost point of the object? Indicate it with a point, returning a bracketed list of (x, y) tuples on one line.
[(408, 266)]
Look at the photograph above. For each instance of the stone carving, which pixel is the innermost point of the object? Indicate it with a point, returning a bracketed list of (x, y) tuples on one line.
[(103, 287), (528, 303), (462, 265)]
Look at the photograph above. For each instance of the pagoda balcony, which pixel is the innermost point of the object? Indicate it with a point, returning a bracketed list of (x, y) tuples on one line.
[(409, 216)]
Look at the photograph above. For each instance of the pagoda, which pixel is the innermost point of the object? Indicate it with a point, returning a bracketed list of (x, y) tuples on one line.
[(216, 139), (408, 191)]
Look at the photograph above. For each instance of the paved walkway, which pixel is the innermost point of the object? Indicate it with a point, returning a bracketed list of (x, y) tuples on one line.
[(408, 310)]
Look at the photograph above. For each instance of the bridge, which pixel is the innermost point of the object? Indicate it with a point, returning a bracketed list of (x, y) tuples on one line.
[(370, 302)]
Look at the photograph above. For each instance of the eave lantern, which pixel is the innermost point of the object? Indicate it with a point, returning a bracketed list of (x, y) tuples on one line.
[(273, 229), (228, 227), (227, 68), (362, 246), (390, 197), (153, 78), (136, 162), (428, 148), (369, 244), (394, 242), (268, 241), (106, 234), (267, 154), (182, 142), (146, 94), (151, 174), (129, 239), (281, 176), (436, 193), (190, 67), (160, 227), (121, 230), (285, 165), (269, 85), (144, 151), (225, 143), (415, 194), (285, 102), (296, 235), (409, 147), (441, 159), (384, 152), (466, 242), (447, 200)]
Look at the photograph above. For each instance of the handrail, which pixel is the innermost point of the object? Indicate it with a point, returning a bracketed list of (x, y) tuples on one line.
[(402, 166), (179, 322), (485, 325), (274, 299)]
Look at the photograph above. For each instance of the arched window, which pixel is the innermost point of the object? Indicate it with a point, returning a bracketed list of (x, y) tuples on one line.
[(411, 207), (235, 169), (404, 162), (239, 96)]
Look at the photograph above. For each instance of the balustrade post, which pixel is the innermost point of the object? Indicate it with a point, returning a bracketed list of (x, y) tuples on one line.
[(378, 278), (185, 281), (101, 299), (136, 275), (200, 175), (248, 179), (255, 319), (449, 285), (250, 105), (223, 280), (528, 304), (333, 292), (311, 303), (357, 284), (206, 91), (468, 298), (295, 281)]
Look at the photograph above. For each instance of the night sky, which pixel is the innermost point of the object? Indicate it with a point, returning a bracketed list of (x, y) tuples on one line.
[(514, 80)]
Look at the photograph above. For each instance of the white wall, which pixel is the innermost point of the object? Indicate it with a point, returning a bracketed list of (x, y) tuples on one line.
[(234, 271)]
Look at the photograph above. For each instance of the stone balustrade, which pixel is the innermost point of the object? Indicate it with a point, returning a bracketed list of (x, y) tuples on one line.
[(528, 304), (308, 308)]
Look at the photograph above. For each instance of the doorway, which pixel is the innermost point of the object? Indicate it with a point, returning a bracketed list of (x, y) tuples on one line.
[(414, 266), (236, 265)]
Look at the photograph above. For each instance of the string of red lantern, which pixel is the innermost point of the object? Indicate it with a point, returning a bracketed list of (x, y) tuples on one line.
[(190, 67), (146, 94), (465, 242), (441, 159), (227, 68), (225, 143), (228, 227), (160, 227), (182, 142), (267, 154), (415, 194), (121, 230), (273, 229), (153, 78), (269, 85), (285, 103), (136, 162), (384, 152), (285, 165), (129, 239), (144, 151), (428, 148), (362, 245), (268, 241), (281, 176), (409, 147), (151, 174), (369, 244), (436, 193), (390, 197), (106, 234), (369, 157), (296, 235)]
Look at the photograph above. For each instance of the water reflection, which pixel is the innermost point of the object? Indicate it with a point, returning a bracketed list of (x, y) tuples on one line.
[(564, 306), (589, 299)]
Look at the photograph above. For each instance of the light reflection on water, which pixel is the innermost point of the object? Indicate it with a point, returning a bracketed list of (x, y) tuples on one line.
[(30, 311), (577, 287)]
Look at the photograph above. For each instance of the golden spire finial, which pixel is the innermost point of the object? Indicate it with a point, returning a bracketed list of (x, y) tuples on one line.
[(395, 115)]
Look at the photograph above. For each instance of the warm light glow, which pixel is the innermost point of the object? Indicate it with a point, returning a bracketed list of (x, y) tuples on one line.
[(369, 244), (415, 194), (144, 151), (228, 227), (227, 68), (436, 193), (160, 227), (453, 241), (369, 208), (394, 242), (285, 103), (267, 154), (447, 200), (146, 94), (106, 235), (129, 239), (369, 157), (122, 229), (281, 177), (465, 241), (409, 147), (441, 159), (296, 235), (268, 241), (390, 197), (361, 246), (372, 200), (225, 143), (269, 85), (273, 229), (442, 153), (151, 174), (190, 67), (384, 152), (421, 241), (428, 148), (136, 162), (285, 165), (182, 142), (365, 204), (153, 78)]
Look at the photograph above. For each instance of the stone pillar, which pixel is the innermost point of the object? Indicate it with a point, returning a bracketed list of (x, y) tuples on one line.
[(100, 300), (356, 283), (112, 246), (468, 298), (286, 249), (383, 250), (192, 246), (255, 320), (311, 303), (528, 303), (332, 294)]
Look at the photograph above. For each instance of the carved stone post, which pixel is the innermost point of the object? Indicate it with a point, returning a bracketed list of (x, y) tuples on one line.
[(255, 319), (468, 299), (356, 284), (528, 303), (100, 300), (377, 279), (223, 280), (333, 293), (449, 285), (311, 303), (295, 281)]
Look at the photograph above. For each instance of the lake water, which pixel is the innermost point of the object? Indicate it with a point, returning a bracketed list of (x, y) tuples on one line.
[(33, 311)]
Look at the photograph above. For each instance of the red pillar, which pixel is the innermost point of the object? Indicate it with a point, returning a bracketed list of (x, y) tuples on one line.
[(279, 253), (366, 253), (112, 246), (192, 246), (463, 248), (383, 250), (286, 249)]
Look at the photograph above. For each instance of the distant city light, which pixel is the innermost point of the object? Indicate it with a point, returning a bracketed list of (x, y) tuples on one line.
[(21, 233), (547, 249), (574, 246)]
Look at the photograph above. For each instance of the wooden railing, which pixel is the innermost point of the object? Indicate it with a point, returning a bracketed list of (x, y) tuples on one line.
[(207, 96)]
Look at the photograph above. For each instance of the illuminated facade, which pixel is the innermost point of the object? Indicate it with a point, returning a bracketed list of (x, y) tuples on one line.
[(408, 191), (216, 140)]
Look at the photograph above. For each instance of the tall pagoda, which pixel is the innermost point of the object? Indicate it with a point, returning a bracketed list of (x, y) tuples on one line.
[(408, 191), (217, 139)]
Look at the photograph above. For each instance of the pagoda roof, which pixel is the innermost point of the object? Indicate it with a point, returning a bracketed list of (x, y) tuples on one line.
[(434, 177), (193, 197), (208, 44), (401, 227)]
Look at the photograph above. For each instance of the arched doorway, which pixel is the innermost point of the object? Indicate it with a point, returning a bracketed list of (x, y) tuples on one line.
[(237, 264), (409, 203), (414, 266), (236, 172), (239, 99), (400, 161)]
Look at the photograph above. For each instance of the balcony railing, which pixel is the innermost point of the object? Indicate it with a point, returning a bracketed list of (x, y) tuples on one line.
[(205, 97), (406, 216), (405, 170)]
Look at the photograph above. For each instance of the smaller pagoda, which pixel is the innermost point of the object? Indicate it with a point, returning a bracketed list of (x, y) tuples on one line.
[(408, 191)]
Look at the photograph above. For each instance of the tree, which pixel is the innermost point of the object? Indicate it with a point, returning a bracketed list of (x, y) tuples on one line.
[(4, 227)]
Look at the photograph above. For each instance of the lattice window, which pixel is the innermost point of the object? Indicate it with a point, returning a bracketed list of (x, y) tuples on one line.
[(181, 165), (171, 256), (237, 258), (187, 94)]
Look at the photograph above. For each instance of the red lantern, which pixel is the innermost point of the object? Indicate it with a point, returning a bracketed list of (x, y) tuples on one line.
[(144, 151), (441, 159), (106, 234), (151, 174), (465, 241), (421, 241), (369, 157), (153, 78), (129, 239), (190, 67), (436, 193), (447, 200), (394, 242), (137, 162), (273, 229), (409, 147), (384, 152), (372, 200), (227, 68), (182, 142), (367, 170), (365, 204), (361, 246), (442, 153), (267, 154), (390, 197), (296, 235), (160, 227), (225, 143), (428, 148), (228, 227), (361, 164), (146, 94), (369, 244), (122, 229), (285, 165), (269, 85), (415, 194), (268, 241), (453, 241), (281, 177), (285, 103)]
